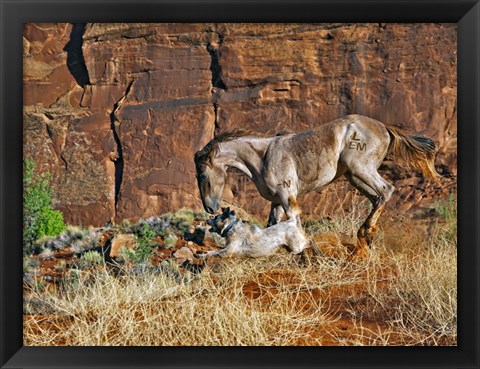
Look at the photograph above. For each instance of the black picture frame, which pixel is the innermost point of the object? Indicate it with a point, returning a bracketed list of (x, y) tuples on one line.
[(466, 13)]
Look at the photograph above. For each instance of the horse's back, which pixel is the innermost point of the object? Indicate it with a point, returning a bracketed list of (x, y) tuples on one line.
[(369, 127), (321, 155), (332, 138)]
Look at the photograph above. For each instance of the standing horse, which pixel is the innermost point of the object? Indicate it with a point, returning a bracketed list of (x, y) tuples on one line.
[(293, 164)]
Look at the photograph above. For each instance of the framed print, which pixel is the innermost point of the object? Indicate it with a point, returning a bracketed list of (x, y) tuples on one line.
[(228, 184)]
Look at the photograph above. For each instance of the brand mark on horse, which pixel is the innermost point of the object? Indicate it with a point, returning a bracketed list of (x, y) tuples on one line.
[(286, 184), (356, 144)]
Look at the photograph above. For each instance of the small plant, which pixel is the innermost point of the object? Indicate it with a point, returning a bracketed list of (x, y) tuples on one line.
[(92, 258), (151, 227), (144, 250), (126, 223), (125, 255), (170, 240), (347, 224), (179, 222), (203, 215), (447, 209), (187, 215), (89, 240), (181, 219), (67, 238), (76, 238), (142, 253), (39, 217), (61, 266), (147, 232), (47, 254), (29, 263)]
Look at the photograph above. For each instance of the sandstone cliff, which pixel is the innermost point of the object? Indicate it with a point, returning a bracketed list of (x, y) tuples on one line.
[(116, 111)]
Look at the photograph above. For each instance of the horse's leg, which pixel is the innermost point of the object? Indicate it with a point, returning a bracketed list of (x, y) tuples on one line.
[(378, 191), (276, 214), (286, 206), (226, 252)]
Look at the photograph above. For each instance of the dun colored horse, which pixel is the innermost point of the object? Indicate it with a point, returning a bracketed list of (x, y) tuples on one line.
[(290, 165)]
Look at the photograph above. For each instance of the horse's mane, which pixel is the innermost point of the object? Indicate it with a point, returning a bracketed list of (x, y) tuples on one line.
[(202, 155), (233, 134)]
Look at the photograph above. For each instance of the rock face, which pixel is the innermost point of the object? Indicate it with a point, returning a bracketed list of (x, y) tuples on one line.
[(116, 111)]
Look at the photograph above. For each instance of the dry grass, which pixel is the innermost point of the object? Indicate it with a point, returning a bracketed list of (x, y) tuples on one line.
[(399, 296), (157, 309)]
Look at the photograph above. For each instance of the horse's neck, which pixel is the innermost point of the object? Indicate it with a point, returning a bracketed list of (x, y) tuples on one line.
[(245, 154)]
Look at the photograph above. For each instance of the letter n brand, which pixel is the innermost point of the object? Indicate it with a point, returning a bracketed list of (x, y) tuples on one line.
[(287, 184)]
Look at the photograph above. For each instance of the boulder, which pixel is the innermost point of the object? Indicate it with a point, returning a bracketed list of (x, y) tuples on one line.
[(121, 241), (182, 254)]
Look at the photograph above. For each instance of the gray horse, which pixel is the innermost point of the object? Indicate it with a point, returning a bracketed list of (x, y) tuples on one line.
[(290, 165)]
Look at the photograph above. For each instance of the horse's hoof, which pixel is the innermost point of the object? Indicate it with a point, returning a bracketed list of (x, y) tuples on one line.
[(365, 236), (360, 251), (362, 244)]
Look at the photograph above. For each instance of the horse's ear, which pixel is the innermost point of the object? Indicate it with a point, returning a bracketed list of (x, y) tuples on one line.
[(226, 210), (232, 213)]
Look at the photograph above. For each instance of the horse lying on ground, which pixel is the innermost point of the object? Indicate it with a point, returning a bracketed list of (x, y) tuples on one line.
[(290, 165), (253, 241)]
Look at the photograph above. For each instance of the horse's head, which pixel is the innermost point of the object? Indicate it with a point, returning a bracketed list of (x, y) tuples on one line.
[(211, 176)]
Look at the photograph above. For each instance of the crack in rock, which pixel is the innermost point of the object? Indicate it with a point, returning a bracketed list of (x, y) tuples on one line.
[(216, 69), (75, 59), (57, 149), (118, 160)]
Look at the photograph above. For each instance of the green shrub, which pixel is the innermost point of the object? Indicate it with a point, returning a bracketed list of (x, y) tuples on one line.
[(184, 215), (170, 240), (146, 232), (181, 220), (203, 215), (39, 217), (447, 209), (126, 223), (150, 227), (92, 258), (143, 251), (51, 223)]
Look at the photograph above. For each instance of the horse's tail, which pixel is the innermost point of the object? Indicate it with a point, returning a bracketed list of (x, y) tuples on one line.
[(414, 151)]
